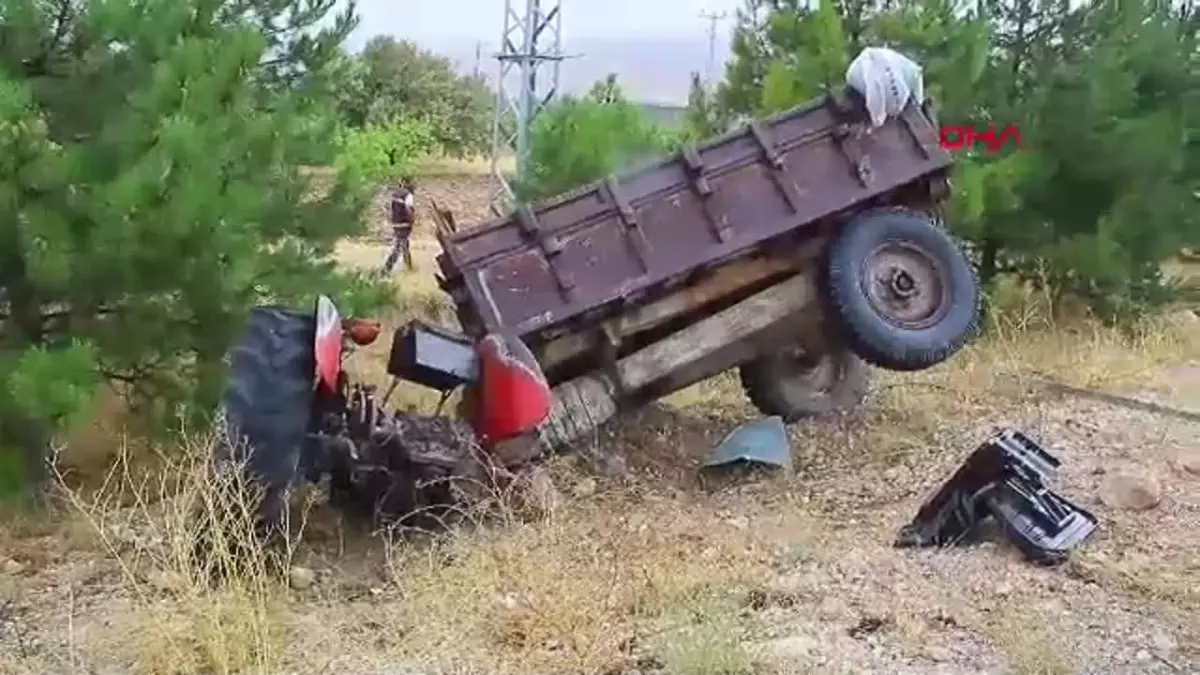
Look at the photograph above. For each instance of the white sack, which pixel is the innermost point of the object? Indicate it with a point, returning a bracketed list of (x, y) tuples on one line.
[(887, 80)]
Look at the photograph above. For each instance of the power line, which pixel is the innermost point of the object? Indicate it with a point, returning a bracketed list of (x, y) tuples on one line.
[(528, 25), (710, 67)]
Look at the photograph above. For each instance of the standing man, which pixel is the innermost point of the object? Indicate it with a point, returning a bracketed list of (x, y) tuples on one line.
[(402, 216)]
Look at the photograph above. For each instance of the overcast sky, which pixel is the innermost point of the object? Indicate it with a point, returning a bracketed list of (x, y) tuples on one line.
[(652, 45), (441, 20)]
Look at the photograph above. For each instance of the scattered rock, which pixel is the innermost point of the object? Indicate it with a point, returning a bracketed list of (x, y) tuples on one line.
[(516, 451), (1185, 318), (740, 523), (160, 580), (536, 492), (869, 625), (1162, 642), (797, 583), (509, 601), (938, 654), (611, 465), (792, 648), (585, 488), (1131, 491), (1189, 461), (12, 567), (301, 578)]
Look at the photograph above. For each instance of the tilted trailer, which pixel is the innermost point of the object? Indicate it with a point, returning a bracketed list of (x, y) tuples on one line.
[(796, 249)]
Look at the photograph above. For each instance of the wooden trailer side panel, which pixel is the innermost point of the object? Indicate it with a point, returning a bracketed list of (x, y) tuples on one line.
[(611, 242)]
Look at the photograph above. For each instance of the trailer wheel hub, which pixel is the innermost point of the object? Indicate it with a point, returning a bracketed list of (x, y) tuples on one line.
[(906, 285), (903, 285), (818, 371)]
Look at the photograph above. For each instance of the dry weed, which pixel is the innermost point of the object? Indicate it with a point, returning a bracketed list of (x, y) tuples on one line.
[(204, 596), (452, 166), (1021, 633), (577, 593), (711, 647)]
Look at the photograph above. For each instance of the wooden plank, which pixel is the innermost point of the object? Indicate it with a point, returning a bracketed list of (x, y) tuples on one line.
[(702, 338), (723, 282), (583, 404)]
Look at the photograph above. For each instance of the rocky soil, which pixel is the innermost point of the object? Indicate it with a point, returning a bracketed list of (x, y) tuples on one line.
[(642, 566), (830, 594)]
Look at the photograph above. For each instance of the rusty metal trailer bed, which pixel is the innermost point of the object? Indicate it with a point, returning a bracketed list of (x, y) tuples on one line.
[(652, 258)]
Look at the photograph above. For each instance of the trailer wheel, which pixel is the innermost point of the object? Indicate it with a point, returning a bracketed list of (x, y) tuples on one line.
[(795, 385), (267, 403), (903, 291)]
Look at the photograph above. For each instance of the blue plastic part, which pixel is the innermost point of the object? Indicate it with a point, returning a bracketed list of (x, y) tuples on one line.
[(763, 441)]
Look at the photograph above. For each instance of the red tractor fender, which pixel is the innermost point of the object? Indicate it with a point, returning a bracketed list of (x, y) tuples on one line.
[(512, 395), (327, 343)]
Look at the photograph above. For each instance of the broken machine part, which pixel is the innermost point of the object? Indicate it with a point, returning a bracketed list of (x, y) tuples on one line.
[(762, 442), (1006, 479), (431, 356)]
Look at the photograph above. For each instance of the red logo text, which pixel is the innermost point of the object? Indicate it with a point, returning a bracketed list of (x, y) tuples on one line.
[(959, 138)]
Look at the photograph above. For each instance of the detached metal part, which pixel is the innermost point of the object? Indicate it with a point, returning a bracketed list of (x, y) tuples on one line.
[(1005, 478), (763, 441), (434, 357)]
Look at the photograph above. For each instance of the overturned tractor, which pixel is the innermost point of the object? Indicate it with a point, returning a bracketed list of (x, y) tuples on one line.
[(796, 250), (291, 414)]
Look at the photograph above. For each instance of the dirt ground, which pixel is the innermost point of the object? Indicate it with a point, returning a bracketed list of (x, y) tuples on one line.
[(638, 563)]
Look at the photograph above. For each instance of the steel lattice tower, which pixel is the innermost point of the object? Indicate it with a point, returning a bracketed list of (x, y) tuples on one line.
[(530, 58)]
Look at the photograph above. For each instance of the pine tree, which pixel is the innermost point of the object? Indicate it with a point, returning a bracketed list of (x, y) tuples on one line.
[(1104, 95), (1113, 128), (704, 118), (151, 190), (579, 140)]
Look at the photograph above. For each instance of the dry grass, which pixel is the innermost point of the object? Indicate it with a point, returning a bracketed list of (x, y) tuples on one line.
[(1022, 637), (577, 593), (418, 293), (198, 597), (443, 166), (626, 575), (583, 589)]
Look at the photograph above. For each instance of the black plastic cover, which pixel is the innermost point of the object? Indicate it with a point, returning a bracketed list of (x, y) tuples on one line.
[(434, 357), (1005, 478), (1045, 527)]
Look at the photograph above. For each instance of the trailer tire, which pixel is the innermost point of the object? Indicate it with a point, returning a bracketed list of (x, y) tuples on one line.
[(795, 386), (904, 293), (266, 405)]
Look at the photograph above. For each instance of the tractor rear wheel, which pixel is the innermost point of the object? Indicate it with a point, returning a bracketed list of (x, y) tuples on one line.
[(266, 406)]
